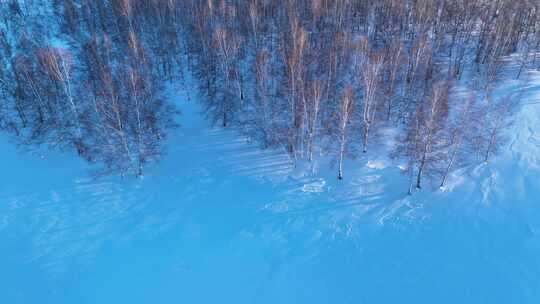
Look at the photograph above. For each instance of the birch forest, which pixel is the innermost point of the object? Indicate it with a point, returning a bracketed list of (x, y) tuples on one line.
[(313, 78)]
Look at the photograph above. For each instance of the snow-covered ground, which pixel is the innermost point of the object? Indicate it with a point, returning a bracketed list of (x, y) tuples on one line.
[(221, 221)]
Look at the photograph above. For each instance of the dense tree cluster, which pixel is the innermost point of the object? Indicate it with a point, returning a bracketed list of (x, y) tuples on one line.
[(308, 76), (329, 75), (83, 75)]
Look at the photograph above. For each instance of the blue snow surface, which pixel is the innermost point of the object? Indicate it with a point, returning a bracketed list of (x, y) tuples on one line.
[(221, 221)]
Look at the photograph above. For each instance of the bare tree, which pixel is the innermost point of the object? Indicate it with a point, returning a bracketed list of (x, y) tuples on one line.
[(57, 64), (393, 61), (424, 145), (371, 80), (227, 47), (345, 111), (459, 132), (315, 98), (495, 116)]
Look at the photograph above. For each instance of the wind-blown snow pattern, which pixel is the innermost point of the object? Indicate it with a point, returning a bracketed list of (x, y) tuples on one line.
[(221, 221)]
